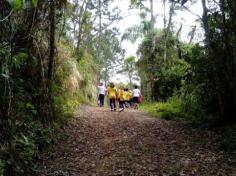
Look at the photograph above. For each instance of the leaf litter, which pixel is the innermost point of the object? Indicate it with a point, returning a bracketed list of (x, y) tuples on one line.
[(104, 143)]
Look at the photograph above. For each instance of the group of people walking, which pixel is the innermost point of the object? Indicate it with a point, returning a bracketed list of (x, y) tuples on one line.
[(119, 97)]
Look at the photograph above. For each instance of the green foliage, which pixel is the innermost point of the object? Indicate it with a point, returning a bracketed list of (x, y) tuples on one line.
[(129, 68), (27, 123), (170, 109), (24, 135), (15, 4), (73, 83), (150, 108), (137, 3), (1, 167), (110, 54), (192, 104), (34, 2), (19, 60), (188, 107), (170, 78), (228, 139), (194, 95), (29, 137), (130, 62), (181, 84), (167, 110), (66, 105), (168, 75)]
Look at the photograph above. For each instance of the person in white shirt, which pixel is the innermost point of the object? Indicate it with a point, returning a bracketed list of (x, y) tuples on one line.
[(136, 95), (101, 94)]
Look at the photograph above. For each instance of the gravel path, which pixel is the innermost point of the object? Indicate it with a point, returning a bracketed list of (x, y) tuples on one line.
[(103, 143)]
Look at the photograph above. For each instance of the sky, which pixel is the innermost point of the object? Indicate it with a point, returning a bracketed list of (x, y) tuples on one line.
[(131, 17)]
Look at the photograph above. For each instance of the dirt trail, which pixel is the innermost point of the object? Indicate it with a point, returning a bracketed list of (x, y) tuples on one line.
[(104, 143)]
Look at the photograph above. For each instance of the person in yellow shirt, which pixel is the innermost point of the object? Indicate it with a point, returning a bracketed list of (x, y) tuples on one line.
[(122, 99), (118, 96), (112, 95), (125, 97)]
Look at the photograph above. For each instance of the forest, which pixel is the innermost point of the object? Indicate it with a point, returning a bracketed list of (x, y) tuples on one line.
[(54, 53)]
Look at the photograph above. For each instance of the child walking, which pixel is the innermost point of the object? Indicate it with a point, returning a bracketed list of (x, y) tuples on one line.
[(101, 94), (136, 95), (112, 95), (122, 99)]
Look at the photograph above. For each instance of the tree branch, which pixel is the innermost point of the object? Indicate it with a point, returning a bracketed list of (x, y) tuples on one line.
[(7, 16), (192, 12)]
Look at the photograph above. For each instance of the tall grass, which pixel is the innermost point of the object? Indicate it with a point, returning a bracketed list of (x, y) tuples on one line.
[(168, 110)]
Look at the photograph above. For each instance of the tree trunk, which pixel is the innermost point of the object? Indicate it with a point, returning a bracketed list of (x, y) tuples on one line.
[(82, 8), (178, 42), (99, 38), (232, 12), (130, 81), (192, 34), (205, 22), (216, 81), (153, 55), (51, 57), (63, 25), (167, 29), (228, 86)]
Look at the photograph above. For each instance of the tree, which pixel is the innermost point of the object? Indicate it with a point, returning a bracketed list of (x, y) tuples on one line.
[(81, 22), (221, 55), (27, 52), (148, 29), (167, 26), (128, 67), (51, 56), (111, 55), (144, 62)]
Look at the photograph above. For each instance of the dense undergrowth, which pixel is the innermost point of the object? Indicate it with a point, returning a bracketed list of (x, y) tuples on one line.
[(183, 92), (181, 87), (72, 85), (175, 109), (47, 69)]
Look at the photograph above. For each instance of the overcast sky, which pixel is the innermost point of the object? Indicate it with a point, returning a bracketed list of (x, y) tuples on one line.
[(131, 17)]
